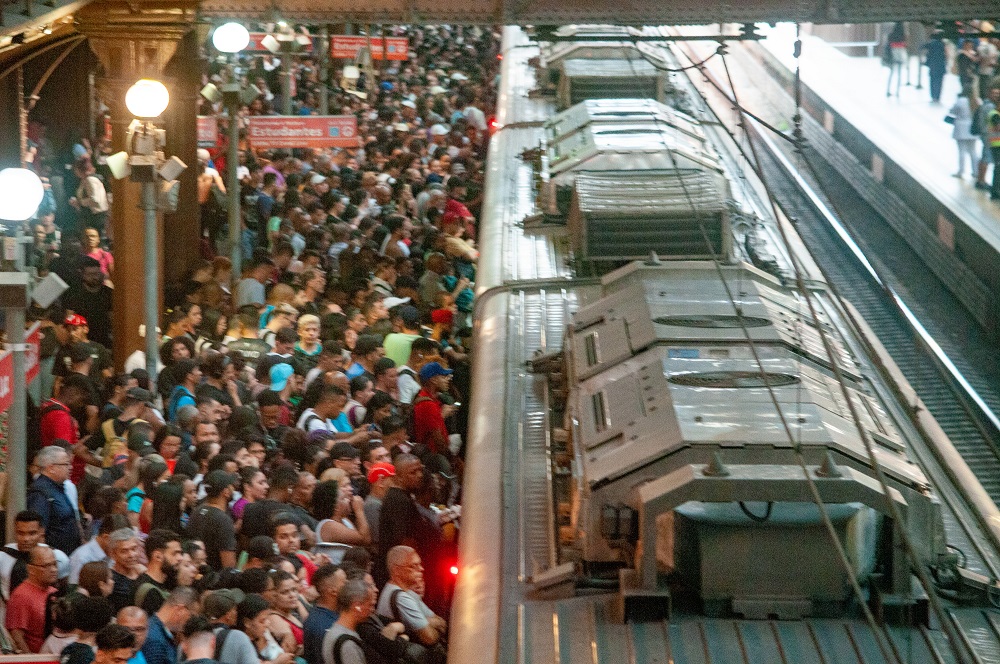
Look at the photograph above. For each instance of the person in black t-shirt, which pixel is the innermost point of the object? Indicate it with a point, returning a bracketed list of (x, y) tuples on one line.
[(127, 568), (92, 300), (211, 523), (258, 515)]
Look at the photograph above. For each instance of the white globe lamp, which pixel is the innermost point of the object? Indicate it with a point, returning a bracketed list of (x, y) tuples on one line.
[(230, 38), (147, 98), (21, 193)]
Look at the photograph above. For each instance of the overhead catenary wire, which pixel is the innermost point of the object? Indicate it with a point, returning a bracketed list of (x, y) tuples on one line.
[(894, 513), (889, 652)]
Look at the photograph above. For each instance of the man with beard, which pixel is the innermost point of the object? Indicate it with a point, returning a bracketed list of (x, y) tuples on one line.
[(92, 300), (163, 550)]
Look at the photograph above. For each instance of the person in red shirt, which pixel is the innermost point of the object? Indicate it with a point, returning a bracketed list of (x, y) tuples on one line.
[(455, 210), (26, 607), (56, 422), (429, 429)]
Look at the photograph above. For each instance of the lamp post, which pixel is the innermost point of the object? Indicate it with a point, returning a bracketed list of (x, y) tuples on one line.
[(233, 38), (21, 193), (147, 99)]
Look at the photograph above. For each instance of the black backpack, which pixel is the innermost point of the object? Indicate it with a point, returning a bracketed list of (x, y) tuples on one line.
[(339, 644), (19, 572)]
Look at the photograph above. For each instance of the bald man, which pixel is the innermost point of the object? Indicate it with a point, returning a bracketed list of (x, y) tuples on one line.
[(26, 608)]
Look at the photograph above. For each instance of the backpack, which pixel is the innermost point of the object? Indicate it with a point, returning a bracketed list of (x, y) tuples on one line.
[(143, 592), (339, 644), (115, 450), (179, 392), (220, 641), (34, 433), (19, 572)]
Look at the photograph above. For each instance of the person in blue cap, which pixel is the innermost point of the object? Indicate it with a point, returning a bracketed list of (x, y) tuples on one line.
[(429, 429)]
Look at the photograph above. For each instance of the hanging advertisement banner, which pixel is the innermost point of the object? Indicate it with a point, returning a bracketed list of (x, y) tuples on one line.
[(305, 131), (208, 131), (347, 47)]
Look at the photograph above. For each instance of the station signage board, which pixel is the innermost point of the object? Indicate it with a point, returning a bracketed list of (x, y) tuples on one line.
[(347, 46), (305, 131), (208, 131)]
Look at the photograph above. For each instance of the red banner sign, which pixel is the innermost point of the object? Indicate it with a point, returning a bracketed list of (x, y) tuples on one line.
[(306, 131), (33, 341), (208, 131), (6, 381), (343, 46)]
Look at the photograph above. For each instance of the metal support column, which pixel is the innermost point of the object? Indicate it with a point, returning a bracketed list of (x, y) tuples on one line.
[(324, 70), (233, 184), (286, 84), (17, 425), (149, 199)]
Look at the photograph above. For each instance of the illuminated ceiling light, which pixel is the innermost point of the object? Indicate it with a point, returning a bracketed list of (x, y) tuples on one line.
[(231, 38), (147, 98), (21, 193)]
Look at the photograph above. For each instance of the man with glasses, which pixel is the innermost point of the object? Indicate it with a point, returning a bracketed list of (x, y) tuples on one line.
[(401, 597), (136, 621), (47, 496), (14, 557), (26, 608), (161, 644)]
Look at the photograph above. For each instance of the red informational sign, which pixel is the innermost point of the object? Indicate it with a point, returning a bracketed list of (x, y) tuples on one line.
[(33, 340), (6, 381), (208, 131), (255, 44), (306, 131), (343, 46)]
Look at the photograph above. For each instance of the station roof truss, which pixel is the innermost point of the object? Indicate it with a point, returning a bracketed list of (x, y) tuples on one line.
[(634, 12)]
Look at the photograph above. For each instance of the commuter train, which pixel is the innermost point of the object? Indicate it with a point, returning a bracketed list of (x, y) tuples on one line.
[(683, 447)]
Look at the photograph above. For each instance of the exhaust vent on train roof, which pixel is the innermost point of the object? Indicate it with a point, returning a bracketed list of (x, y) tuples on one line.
[(620, 216)]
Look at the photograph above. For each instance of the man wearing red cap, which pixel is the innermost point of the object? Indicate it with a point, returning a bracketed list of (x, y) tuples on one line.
[(379, 480)]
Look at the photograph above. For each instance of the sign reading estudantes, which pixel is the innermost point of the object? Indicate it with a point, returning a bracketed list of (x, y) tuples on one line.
[(306, 131)]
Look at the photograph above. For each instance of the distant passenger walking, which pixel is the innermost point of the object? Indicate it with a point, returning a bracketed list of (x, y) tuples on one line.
[(895, 57)]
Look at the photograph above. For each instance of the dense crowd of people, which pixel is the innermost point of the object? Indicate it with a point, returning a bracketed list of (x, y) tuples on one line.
[(287, 488)]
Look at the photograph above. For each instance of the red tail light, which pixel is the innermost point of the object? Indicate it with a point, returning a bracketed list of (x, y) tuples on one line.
[(454, 570)]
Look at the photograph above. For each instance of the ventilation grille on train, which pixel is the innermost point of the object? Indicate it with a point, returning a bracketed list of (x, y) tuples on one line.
[(734, 379), (708, 320), (582, 89)]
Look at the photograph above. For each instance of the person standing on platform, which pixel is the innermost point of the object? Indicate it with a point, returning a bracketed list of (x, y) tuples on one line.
[(961, 117), (936, 60), (26, 608), (989, 105), (895, 57), (993, 140), (47, 497)]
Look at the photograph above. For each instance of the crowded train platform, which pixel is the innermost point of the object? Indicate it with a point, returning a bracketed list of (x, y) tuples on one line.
[(274, 471), (290, 478)]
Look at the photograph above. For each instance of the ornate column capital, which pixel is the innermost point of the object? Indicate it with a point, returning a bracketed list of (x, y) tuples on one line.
[(136, 38)]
